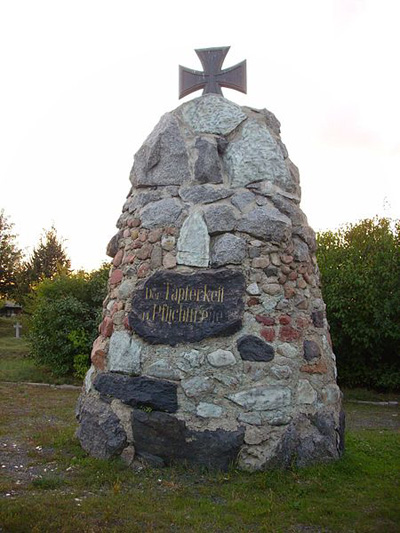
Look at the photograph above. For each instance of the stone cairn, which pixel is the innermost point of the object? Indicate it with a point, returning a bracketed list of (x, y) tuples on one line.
[(214, 347)]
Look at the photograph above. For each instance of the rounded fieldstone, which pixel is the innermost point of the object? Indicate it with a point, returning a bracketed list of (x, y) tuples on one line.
[(221, 358)]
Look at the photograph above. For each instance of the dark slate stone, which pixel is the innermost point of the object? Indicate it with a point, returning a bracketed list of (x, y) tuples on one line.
[(208, 167), (254, 252), (271, 271), (311, 350), (138, 391), (171, 308), (318, 318), (252, 348), (113, 245), (222, 144), (100, 432), (163, 436)]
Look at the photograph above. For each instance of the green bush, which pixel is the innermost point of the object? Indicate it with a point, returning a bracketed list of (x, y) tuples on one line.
[(360, 273), (66, 311)]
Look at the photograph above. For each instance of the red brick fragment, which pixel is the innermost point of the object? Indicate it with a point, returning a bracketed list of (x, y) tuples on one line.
[(284, 320), (288, 333), (289, 292), (319, 368), (268, 334), (98, 355), (118, 258), (116, 276), (106, 327), (266, 320), (143, 270), (287, 259), (253, 301), (302, 322)]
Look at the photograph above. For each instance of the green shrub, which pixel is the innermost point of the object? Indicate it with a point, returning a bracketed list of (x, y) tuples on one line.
[(81, 365), (360, 273), (66, 311)]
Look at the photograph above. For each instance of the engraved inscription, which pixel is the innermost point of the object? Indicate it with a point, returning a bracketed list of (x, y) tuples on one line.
[(171, 307)]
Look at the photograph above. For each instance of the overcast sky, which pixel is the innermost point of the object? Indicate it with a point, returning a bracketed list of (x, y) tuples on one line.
[(84, 82)]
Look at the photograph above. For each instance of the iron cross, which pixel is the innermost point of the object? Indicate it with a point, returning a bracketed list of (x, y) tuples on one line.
[(213, 78)]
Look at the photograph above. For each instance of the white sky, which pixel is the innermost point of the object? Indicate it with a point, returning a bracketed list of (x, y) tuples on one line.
[(83, 82)]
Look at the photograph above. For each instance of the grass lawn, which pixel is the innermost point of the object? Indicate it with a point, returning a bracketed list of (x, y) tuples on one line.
[(48, 484), (15, 363)]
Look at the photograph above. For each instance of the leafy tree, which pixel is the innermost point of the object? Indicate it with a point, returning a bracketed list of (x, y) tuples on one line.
[(65, 316), (48, 259), (10, 258), (360, 272)]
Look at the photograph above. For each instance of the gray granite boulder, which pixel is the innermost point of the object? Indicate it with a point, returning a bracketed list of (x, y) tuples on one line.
[(266, 222), (212, 114), (220, 218), (204, 194), (228, 249), (254, 157), (162, 213), (163, 158)]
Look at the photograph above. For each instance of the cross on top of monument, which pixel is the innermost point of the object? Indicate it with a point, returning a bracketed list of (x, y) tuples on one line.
[(213, 78)]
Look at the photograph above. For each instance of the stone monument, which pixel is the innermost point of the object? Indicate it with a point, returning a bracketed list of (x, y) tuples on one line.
[(214, 347)]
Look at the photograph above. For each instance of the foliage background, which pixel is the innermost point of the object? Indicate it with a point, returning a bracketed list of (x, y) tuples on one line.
[(66, 312), (360, 274)]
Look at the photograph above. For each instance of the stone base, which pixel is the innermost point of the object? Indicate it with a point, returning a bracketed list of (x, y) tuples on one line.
[(162, 439)]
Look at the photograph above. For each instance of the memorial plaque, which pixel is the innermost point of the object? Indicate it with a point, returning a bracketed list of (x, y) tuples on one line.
[(172, 308)]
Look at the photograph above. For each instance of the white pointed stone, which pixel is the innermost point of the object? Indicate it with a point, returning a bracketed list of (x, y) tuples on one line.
[(124, 353), (194, 242), (305, 392)]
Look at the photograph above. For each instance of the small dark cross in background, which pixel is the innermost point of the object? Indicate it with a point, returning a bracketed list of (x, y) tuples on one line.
[(213, 78)]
